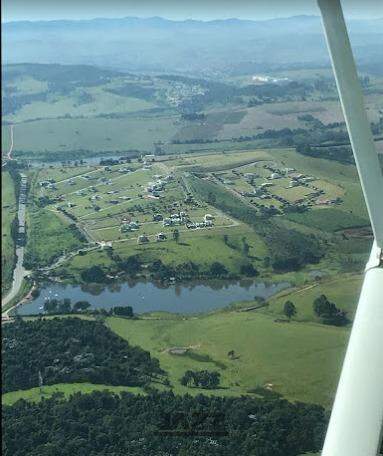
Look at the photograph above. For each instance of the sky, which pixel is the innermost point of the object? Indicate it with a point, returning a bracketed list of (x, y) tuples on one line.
[(32, 10)]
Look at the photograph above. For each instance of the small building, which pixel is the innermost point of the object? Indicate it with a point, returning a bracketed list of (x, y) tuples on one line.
[(142, 239), (129, 226), (167, 222), (297, 176), (158, 217), (308, 179), (161, 237), (275, 176)]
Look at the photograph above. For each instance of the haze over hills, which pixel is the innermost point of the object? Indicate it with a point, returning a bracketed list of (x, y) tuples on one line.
[(229, 47)]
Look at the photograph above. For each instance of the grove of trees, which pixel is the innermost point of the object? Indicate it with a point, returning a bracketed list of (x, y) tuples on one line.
[(67, 350), (102, 423)]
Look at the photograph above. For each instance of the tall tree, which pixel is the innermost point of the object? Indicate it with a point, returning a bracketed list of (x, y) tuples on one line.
[(289, 309), (176, 235)]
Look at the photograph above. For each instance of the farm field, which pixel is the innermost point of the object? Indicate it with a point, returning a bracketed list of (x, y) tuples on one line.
[(43, 138), (75, 111), (8, 213)]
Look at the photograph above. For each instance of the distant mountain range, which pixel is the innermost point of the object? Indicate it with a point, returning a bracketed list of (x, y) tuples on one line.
[(231, 46)]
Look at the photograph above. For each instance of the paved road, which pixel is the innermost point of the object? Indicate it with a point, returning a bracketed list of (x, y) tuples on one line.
[(19, 272)]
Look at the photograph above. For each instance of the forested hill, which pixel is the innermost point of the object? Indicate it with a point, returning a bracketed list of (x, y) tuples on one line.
[(71, 350), (192, 46), (101, 424)]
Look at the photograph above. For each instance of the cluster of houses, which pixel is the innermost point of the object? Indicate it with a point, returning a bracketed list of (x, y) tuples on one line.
[(129, 226), (154, 188), (297, 179), (179, 218), (144, 239), (178, 93), (21, 212), (49, 183)]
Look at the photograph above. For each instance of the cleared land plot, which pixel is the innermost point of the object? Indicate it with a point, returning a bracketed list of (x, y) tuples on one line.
[(223, 161), (8, 213), (209, 127), (49, 237), (285, 115)]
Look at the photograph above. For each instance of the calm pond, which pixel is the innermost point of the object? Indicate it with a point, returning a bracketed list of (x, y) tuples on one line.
[(149, 297)]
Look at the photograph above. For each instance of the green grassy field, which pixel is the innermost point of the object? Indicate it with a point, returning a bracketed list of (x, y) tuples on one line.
[(48, 237), (102, 103), (47, 137), (201, 247), (8, 213), (301, 360), (329, 219), (67, 389), (343, 291)]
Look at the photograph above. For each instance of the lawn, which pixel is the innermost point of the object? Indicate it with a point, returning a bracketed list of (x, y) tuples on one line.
[(301, 360), (8, 213)]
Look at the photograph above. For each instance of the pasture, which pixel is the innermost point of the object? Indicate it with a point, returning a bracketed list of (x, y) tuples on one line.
[(342, 290), (89, 136), (302, 361)]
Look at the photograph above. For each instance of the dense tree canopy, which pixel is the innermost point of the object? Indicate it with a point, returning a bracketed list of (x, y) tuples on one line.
[(71, 350), (101, 424), (328, 312)]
